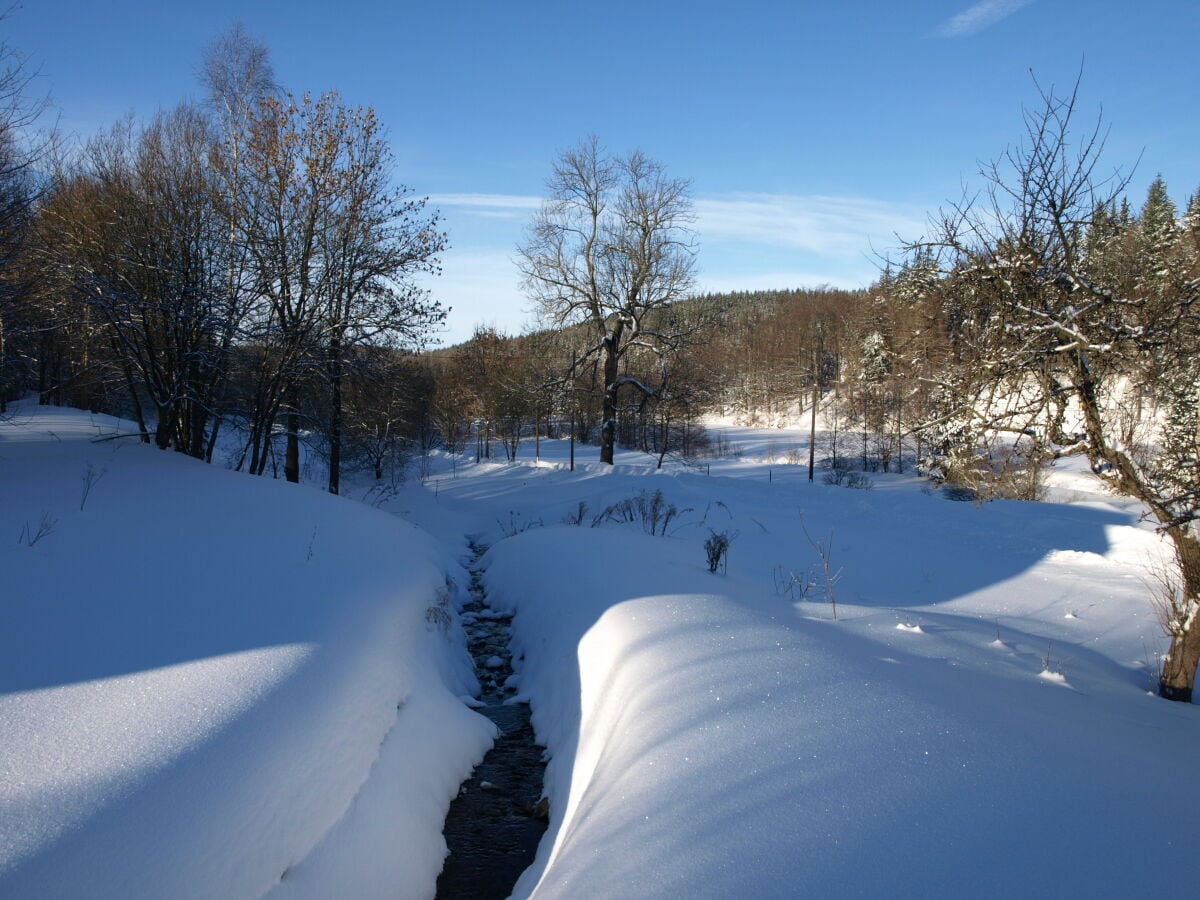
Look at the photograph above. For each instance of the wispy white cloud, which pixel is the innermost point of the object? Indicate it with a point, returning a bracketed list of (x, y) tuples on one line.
[(819, 224), (979, 16), (488, 206), (840, 227)]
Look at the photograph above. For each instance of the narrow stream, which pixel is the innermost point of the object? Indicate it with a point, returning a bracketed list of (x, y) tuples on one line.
[(493, 827)]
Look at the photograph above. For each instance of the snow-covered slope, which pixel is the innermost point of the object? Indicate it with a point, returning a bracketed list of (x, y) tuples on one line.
[(976, 722), (210, 681)]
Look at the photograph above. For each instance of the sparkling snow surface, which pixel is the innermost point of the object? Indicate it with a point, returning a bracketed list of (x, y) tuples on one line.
[(952, 734), (214, 685)]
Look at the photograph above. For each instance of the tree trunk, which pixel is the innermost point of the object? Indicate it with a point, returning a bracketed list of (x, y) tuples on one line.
[(666, 441), (335, 412), (608, 425), (291, 458), (199, 425), (135, 403), (212, 440), (255, 447), (1179, 668), (3, 382), (812, 424), (165, 427)]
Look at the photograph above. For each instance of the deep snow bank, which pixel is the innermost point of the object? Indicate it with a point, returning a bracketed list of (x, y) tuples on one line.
[(704, 745), (214, 684)]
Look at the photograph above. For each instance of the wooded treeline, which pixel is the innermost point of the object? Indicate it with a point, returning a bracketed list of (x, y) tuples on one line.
[(246, 262), (244, 267)]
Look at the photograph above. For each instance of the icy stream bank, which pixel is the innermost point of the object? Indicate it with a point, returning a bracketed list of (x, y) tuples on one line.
[(494, 826)]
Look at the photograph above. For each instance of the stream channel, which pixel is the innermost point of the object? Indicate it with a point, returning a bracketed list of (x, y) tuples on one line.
[(494, 826)]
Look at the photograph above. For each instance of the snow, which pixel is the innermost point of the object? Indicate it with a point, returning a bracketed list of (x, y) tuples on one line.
[(1053, 677), (709, 737), (212, 682), (216, 684)]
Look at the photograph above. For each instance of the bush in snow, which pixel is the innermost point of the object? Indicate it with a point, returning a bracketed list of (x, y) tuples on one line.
[(842, 472), (577, 515), (650, 509), (517, 525), (716, 549), (437, 614)]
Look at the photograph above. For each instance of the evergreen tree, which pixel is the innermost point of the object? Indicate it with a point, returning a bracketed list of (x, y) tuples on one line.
[(1191, 223), (1160, 234)]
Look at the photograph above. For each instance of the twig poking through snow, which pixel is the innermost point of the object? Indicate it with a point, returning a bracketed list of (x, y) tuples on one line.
[(824, 551)]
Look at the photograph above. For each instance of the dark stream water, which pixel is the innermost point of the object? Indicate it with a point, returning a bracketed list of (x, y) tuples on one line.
[(493, 827)]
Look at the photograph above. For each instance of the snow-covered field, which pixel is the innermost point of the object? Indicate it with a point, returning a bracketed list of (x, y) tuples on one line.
[(201, 673)]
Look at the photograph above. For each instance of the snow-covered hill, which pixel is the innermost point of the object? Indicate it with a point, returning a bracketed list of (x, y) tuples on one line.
[(209, 680)]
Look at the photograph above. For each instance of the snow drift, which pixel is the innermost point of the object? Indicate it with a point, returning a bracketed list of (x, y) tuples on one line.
[(210, 681)]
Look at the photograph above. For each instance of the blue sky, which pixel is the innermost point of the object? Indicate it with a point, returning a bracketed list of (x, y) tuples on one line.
[(812, 132)]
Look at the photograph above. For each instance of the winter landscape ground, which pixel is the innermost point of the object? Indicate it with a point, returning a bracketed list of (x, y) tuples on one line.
[(217, 685)]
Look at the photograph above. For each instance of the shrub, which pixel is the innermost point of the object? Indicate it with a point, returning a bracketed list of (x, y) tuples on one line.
[(716, 549), (577, 515), (651, 510)]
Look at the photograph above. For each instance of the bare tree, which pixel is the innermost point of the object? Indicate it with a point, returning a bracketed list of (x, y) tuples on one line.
[(19, 110), (291, 158), (1040, 321), (387, 411), (236, 69), (453, 404), (612, 248), (374, 240), (132, 238), (334, 248)]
